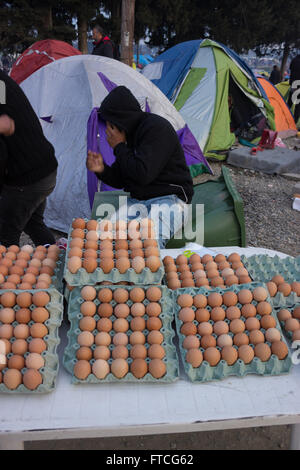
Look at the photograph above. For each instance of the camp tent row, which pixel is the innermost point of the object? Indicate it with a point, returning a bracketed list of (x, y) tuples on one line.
[(198, 77)]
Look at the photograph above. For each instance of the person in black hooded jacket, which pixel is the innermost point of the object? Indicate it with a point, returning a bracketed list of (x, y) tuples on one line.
[(150, 162)]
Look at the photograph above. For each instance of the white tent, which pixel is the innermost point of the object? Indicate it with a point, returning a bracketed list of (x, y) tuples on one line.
[(64, 93)]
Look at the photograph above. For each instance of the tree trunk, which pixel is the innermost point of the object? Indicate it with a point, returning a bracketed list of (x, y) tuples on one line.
[(127, 31), (47, 21), (285, 57), (82, 24)]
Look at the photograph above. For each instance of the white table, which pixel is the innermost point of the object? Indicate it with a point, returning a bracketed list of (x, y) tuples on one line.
[(89, 411)]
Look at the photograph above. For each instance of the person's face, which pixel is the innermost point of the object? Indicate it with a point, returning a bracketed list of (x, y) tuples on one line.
[(96, 35)]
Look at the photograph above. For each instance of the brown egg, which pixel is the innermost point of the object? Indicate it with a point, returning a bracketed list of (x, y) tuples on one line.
[(7, 332), (150, 242), (195, 267), (215, 299), (217, 314), (105, 310), (105, 295), (11, 255), (170, 268), (223, 265), (151, 251), (206, 258), (88, 293), (107, 265), (264, 308), (194, 259), (244, 279), (74, 264), (292, 324), (231, 280), (153, 309), (183, 268), (137, 294), (7, 315), (208, 341), (237, 326), (252, 324), (263, 352), (194, 357), (40, 315), (137, 253), (37, 345), (234, 257), (8, 262), (92, 235), (93, 245), (219, 258), (25, 286), (139, 368), (123, 264), (217, 282), (8, 285), (191, 341), (93, 254), (280, 349), (4, 271), (267, 322), (272, 287), (137, 324), (12, 379), (8, 299), (229, 354), (224, 340), (78, 223), (245, 296), (34, 361), (260, 294), (138, 264), (278, 279), (139, 351), (100, 352), (82, 369), (204, 328), (212, 356), (157, 368), (248, 310), (285, 289), (200, 301), (256, 337), (186, 314), (84, 353), (187, 283), (120, 325), (16, 362), (119, 368), (296, 335), (77, 243), (23, 315), (90, 264), (2, 249), (220, 328), (22, 331), (246, 353), (88, 324), (103, 339), (44, 270), (154, 294), (154, 337), (121, 245), (230, 299), (156, 352), (241, 272), (7, 345), (211, 265), (19, 347), (100, 368), (153, 263), (233, 313), (284, 315), (295, 286), (174, 284), (136, 245), (37, 330), (272, 335), (121, 311), (154, 323), (237, 264), (24, 300), (32, 379), (78, 233), (85, 338), (181, 259), (121, 254), (185, 275)]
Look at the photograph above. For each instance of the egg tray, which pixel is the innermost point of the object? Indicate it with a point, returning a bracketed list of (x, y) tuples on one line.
[(58, 278), (167, 316), (262, 268), (288, 334), (50, 370), (205, 372), (83, 278)]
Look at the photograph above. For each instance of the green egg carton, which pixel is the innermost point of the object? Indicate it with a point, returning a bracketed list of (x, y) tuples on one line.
[(50, 370), (167, 316), (262, 268), (83, 278), (288, 334), (58, 278), (205, 372)]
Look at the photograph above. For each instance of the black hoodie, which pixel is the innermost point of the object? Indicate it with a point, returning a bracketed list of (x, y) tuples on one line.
[(152, 163), (30, 157)]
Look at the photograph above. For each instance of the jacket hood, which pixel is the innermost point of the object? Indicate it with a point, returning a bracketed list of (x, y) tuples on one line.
[(122, 109)]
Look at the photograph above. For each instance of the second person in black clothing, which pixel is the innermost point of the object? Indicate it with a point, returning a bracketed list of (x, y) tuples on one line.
[(103, 46), (150, 162)]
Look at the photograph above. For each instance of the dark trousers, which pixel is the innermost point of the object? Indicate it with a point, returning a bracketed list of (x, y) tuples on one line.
[(22, 210)]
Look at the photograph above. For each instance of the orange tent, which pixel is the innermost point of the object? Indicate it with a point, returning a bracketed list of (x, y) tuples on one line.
[(284, 121)]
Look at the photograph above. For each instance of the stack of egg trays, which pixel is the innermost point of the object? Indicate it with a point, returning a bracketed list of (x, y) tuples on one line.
[(50, 370), (263, 268), (205, 372), (83, 278), (288, 334), (167, 316)]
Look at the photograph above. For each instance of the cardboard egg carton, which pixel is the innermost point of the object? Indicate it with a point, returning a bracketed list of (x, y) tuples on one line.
[(166, 316), (205, 372)]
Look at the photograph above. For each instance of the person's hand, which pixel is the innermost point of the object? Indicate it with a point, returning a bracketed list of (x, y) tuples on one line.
[(7, 125), (114, 136), (94, 162)]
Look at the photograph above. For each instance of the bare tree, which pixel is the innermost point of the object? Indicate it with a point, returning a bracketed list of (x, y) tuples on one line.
[(127, 31)]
